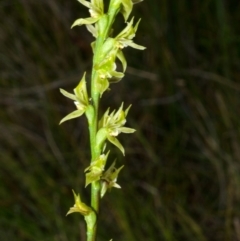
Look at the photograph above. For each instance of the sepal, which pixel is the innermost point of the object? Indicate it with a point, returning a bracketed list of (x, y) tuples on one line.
[(116, 142), (79, 206), (96, 9), (126, 9), (72, 115), (92, 30), (82, 21)]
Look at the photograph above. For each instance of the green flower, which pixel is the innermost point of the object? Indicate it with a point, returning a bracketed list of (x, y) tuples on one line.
[(125, 37), (95, 170), (79, 206), (111, 125), (96, 9), (107, 74), (80, 98), (109, 178), (111, 50), (106, 68)]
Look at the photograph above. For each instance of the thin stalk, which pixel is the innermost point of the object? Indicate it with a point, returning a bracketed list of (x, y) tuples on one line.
[(93, 128), (95, 152)]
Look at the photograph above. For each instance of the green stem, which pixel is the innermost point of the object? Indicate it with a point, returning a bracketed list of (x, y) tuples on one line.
[(104, 26), (91, 232), (95, 152)]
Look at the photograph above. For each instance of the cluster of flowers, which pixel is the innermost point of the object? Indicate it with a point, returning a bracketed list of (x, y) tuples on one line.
[(111, 124)]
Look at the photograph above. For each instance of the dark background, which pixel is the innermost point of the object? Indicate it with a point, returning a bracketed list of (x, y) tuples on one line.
[(181, 179)]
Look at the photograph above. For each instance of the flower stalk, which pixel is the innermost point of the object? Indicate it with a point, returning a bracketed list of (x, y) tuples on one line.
[(107, 50)]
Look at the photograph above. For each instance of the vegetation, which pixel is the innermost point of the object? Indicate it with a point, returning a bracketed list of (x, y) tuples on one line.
[(182, 176)]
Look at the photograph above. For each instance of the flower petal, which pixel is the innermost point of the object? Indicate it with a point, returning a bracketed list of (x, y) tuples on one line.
[(121, 57), (81, 91), (126, 31), (116, 76), (103, 85), (85, 3), (68, 95), (126, 130), (135, 46), (92, 30), (98, 4), (72, 115), (82, 21), (127, 6), (116, 142)]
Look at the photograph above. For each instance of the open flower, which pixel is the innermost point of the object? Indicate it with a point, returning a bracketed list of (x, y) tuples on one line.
[(107, 74), (109, 178), (124, 38), (96, 9), (80, 98), (106, 68), (111, 50), (111, 125)]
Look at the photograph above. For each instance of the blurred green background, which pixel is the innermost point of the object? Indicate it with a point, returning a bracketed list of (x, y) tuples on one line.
[(181, 179)]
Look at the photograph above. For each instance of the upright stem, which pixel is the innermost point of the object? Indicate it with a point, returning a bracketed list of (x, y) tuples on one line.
[(95, 151), (105, 26)]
